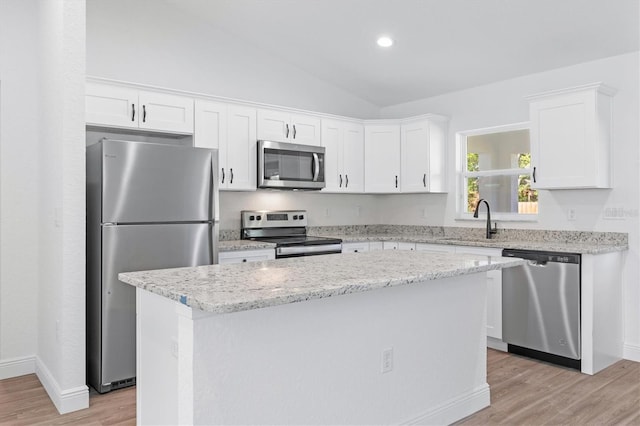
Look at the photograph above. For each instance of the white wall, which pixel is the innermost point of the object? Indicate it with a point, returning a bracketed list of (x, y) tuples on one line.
[(19, 176), (150, 42), (61, 227), (504, 103)]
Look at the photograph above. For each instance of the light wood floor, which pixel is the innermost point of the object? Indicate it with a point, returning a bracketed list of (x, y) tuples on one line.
[(523, 391)]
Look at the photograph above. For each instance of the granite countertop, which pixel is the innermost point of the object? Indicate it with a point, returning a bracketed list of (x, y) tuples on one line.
[(558, 245), (247, 286)]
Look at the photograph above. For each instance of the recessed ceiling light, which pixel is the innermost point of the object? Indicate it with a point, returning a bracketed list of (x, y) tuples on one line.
[(385, 41)]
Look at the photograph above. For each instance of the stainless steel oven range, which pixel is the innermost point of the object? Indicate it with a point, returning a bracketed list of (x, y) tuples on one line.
[(287, 229)]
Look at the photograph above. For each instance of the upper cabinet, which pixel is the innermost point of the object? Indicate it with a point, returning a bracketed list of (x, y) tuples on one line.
[(231, 129), (382, 158), (282, 126), (571, 137), (423, 155), (344, 156), (127, 107)]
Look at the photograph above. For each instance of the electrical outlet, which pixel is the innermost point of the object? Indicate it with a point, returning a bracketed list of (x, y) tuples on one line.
[(387, 360), (571, 214), (174, 347), (327, 213), (424, 213), (359, 210), (58, 331)]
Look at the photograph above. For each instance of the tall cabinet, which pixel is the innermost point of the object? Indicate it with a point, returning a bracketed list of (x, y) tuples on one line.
[(423, 154), (382, 158)]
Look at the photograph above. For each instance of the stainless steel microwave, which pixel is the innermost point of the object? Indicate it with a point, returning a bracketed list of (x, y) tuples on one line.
[(284, 165)]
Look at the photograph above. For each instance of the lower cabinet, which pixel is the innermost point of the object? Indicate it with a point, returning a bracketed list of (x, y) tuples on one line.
[(440, 248), (243, 256), (494, 290)]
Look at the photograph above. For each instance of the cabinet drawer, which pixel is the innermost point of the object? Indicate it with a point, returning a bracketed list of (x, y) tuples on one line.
[(355, 247), (245, 256)]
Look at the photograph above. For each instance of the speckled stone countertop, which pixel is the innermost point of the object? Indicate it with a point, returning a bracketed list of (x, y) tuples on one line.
[(236, 245), (247, 286)]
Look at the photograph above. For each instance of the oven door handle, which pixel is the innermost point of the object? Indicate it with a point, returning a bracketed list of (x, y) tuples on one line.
[(320, 248), (316, 167)]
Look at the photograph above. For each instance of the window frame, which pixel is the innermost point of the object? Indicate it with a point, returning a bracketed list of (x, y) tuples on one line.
[(462, 174)]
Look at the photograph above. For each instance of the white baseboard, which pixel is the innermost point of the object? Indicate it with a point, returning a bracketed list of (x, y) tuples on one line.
[(456, 408), (15, 367), (631, 352), (497, 344), (65, 400)]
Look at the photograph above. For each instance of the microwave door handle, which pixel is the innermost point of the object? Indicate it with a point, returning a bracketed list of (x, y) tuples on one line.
[(316, 167)]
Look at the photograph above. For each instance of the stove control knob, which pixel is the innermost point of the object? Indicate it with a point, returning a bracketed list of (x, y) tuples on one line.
[(252, 218), (258, 217), (301, 217), (295, 217)]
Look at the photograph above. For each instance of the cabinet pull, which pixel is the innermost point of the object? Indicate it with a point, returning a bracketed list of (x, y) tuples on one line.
[(340, 185), (133, 112), (144, 113), (294, 131), (346, 177), (424, 180), (231, 172), (287, 135), (223, 175), (534, 175), (396, 181), (244, 260)]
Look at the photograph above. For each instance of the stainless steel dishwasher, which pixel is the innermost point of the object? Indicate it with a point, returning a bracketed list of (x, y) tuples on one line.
[(541, 306)]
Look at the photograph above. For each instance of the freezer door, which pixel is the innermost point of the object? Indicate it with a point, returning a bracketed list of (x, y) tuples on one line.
[(129, 248), (144, 183)]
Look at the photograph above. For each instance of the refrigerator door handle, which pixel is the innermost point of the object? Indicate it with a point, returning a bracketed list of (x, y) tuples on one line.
[(214, 208)]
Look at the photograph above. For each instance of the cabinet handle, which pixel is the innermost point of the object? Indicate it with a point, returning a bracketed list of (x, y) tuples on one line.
[(144, 113), (231, 172), (223, 175), (287, 135), (534, 175), (424, 180), (396, 181), (294, 131), (133, 112), (340, 186), (346, 177)]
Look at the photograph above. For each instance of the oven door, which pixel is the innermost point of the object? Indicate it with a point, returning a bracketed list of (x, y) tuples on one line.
[(290, 166)]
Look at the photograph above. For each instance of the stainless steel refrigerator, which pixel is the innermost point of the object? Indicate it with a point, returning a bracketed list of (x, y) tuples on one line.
[(149, 206)]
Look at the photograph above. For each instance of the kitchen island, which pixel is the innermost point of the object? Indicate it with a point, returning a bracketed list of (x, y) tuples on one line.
[(362, 338)]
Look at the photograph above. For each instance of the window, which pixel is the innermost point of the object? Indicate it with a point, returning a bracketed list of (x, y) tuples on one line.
[(495, 165)]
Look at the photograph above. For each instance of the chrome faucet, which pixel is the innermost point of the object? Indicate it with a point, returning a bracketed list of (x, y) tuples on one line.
[(490, 230)]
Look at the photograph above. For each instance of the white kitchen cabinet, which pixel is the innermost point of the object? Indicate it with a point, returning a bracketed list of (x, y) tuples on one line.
[(344, 156), (440, 248), (283, 126), (423, 155), (128, 107), (407, 246), (390, 245), (356, 247), (244, 256), (375, 245), (382, 158), (230, 129), (494, 290), (571, 137)]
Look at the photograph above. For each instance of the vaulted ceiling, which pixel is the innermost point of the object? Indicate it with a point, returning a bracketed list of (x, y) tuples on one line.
[(440, 45)]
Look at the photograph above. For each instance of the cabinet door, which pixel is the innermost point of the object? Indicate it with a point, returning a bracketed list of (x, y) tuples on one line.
[(389, 245), (273, 125), (161, 111), (245, 256), (382, 158), (440, 248), (353, 158), (375, 245), (414, 147), (241, 148), (355, 247), (406, 246), (112, 106), (211, 132), (571, 137), (305, 129), (331, 141)]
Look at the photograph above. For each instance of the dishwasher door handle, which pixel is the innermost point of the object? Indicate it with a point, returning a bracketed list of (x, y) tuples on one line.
[(537, 263)]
